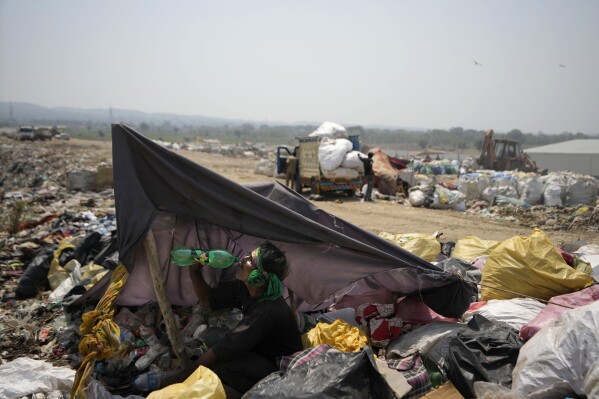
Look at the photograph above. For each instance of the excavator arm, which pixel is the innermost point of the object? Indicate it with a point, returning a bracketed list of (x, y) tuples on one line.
[(487, 153)]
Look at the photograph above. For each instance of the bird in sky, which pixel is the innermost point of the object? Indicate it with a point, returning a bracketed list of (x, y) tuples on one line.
[(477, 63), (561, 65)]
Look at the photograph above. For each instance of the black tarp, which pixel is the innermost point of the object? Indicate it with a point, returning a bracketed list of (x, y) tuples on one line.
[(328, 374), (187, 204), (483, 351)]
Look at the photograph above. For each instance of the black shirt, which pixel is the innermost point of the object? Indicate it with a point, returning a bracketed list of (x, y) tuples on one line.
[(367, 166), (268, 328)]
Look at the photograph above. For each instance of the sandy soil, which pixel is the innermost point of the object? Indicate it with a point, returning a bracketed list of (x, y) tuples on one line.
[(375, 217)]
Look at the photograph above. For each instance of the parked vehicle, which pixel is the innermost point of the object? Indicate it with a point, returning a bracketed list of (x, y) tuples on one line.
[(42, 133), (62, 136), (25, 133), (310, 173)]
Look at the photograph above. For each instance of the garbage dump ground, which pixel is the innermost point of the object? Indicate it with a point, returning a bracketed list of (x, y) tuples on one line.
[(58, 225)]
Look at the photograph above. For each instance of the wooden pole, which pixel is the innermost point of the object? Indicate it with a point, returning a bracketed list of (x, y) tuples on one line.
[(158, 280), (293, 306)]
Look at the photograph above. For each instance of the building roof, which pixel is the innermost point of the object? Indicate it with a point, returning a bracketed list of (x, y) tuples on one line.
[(567, 147)]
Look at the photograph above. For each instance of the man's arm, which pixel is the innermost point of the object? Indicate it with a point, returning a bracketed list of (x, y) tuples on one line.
[(200, 287), (207, 359)]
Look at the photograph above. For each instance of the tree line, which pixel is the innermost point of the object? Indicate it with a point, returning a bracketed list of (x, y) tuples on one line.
[(455, 139)]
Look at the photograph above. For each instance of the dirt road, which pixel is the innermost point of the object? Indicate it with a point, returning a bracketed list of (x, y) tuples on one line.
[(375, 217), (395, 218)]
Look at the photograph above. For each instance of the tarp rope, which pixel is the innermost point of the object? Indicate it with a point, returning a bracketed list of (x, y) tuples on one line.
[(524, 295), (458, 275), (101, 336)]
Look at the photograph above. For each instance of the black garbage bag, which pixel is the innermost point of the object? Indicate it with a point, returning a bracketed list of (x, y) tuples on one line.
[(484, 351), (107, 251), (447, 248), (66, 255), (35, 277), (88, 248), (324, 372), (466, 270)]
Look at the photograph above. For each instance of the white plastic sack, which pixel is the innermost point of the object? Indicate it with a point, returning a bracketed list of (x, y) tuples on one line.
[(422, 339), (81, 179), (416, 198), (591, 382), (444, 198), (491, 390), (331, 152), (490, 193), (330, 129), (352, 161), (472, 185), (590, 254), (265, 167), (559, 179), (341, 173), (67, 284), (530, 189), (581, 190), (553, 195), (557, 361), (515, 312), (24, 376), (422, 180), (503, 179)]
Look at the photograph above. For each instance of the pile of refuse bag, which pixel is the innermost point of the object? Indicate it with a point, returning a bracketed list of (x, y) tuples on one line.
[(535, 304), (435, 167), (556, 201), (521, 336), (554, 189)]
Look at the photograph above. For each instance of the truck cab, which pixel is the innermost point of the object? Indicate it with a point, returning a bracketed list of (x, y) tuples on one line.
[(25, 133)]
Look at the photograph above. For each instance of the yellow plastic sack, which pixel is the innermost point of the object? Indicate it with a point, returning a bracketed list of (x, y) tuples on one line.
[(95, 279), (201, 384), (57, 274), (90, 270), (471, 247), (529, 266), (339, 334), (424, 245)]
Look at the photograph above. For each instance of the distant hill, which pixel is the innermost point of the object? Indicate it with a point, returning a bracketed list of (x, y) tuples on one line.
[(26, 113)]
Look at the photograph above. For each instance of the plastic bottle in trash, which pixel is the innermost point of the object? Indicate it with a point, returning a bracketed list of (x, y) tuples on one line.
[(151, 381), (144, 362), (218, 258), (147, 334)]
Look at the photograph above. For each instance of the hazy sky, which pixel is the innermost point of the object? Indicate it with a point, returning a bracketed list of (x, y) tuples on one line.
[(391, 63)]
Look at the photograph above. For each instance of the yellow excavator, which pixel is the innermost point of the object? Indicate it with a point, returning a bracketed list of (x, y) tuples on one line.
[(505, 154)]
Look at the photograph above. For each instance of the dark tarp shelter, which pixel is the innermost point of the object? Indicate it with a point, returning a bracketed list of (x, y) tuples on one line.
[(183, 203)]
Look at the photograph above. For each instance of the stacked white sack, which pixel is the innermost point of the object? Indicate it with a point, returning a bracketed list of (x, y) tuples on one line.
[(332, 153), (331, 130)]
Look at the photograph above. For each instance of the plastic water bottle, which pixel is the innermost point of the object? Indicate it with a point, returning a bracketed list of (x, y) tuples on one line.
[(218, 258), (144, 362)]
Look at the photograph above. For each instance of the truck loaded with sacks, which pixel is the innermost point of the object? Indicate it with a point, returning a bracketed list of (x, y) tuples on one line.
[(329, 160)]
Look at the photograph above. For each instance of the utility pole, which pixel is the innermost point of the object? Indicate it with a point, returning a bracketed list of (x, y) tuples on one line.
[(11, 115)]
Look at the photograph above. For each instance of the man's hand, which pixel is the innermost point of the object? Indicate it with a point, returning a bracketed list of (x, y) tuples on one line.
[(200, 287)]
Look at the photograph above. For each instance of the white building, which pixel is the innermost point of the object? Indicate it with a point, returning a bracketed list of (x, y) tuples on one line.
[(579, 156)]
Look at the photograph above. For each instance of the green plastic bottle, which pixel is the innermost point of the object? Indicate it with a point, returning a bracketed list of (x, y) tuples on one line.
[(218, 258)]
